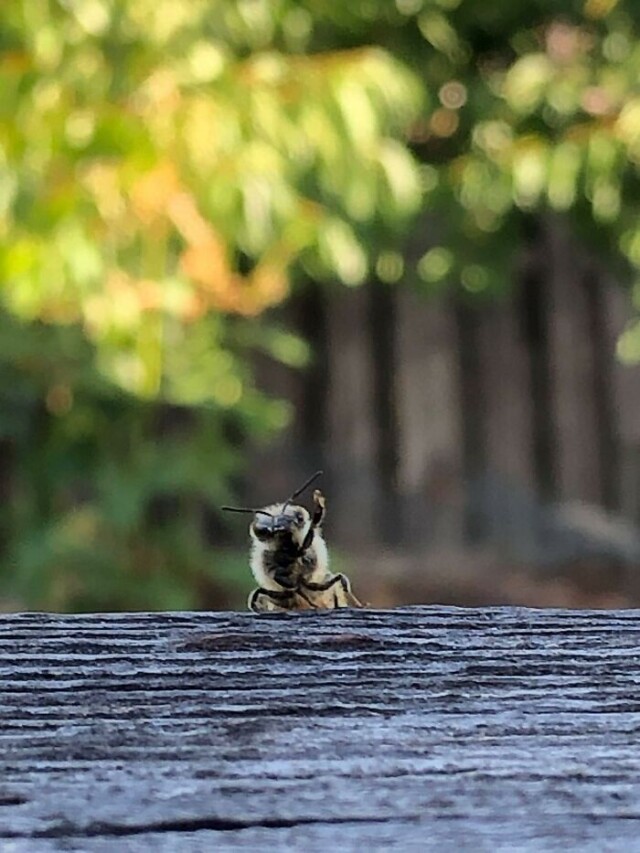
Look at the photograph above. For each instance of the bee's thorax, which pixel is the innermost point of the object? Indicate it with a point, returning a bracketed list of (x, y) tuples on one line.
[(280, 562)]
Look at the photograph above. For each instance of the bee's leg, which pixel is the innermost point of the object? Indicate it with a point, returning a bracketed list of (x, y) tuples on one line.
[(319, 504), (339, 589), (305, 602), (351, 600), (319, 508), (269, 600)]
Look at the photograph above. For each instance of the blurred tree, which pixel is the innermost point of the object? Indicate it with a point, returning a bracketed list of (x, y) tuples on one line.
[(163, 161), (165, 168), (536, 108), (162, 166)]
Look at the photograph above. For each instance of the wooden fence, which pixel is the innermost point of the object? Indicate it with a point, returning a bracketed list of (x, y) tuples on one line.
[(444, 423), (463, 437)]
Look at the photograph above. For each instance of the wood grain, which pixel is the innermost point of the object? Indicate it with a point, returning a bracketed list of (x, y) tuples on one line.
[(421, 728)]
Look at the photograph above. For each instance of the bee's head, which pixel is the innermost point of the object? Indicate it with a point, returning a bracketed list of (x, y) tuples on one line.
[(286, 525), (281, 523)]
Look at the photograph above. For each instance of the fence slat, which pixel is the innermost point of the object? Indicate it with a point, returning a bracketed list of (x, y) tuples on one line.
[(430, 463)]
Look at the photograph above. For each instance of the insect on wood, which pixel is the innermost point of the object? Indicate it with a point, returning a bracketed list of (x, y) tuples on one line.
[(289, 557)]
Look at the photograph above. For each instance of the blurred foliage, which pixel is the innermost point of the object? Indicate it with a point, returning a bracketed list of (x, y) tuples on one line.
[(165, 160), (536, 108), (167, 169), (162, 167)]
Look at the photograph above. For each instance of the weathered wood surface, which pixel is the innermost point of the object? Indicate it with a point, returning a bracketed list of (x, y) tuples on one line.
[(424, 728)]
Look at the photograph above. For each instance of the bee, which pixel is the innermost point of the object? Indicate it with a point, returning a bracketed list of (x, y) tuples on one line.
[(289, 557)]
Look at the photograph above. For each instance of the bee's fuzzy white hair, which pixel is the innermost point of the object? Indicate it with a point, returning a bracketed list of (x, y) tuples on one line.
[(318, 547)]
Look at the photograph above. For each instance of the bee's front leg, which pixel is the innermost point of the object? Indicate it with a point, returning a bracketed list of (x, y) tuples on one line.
[(337, 593), (270, 601)]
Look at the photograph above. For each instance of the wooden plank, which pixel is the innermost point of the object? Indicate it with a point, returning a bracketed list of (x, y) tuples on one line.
[(430, 477), (572, 365), (350, 448), (510, 483), (532, 305), (626, 389), (508, 397), (383, 326), (418, 728), (620, 312)]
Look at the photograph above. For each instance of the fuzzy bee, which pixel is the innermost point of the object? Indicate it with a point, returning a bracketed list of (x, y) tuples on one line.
[(289, 558)]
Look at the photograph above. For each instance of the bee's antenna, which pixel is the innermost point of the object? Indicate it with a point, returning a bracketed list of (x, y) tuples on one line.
[(302, 488), (311, 479), (246, 509), (254, 510)]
